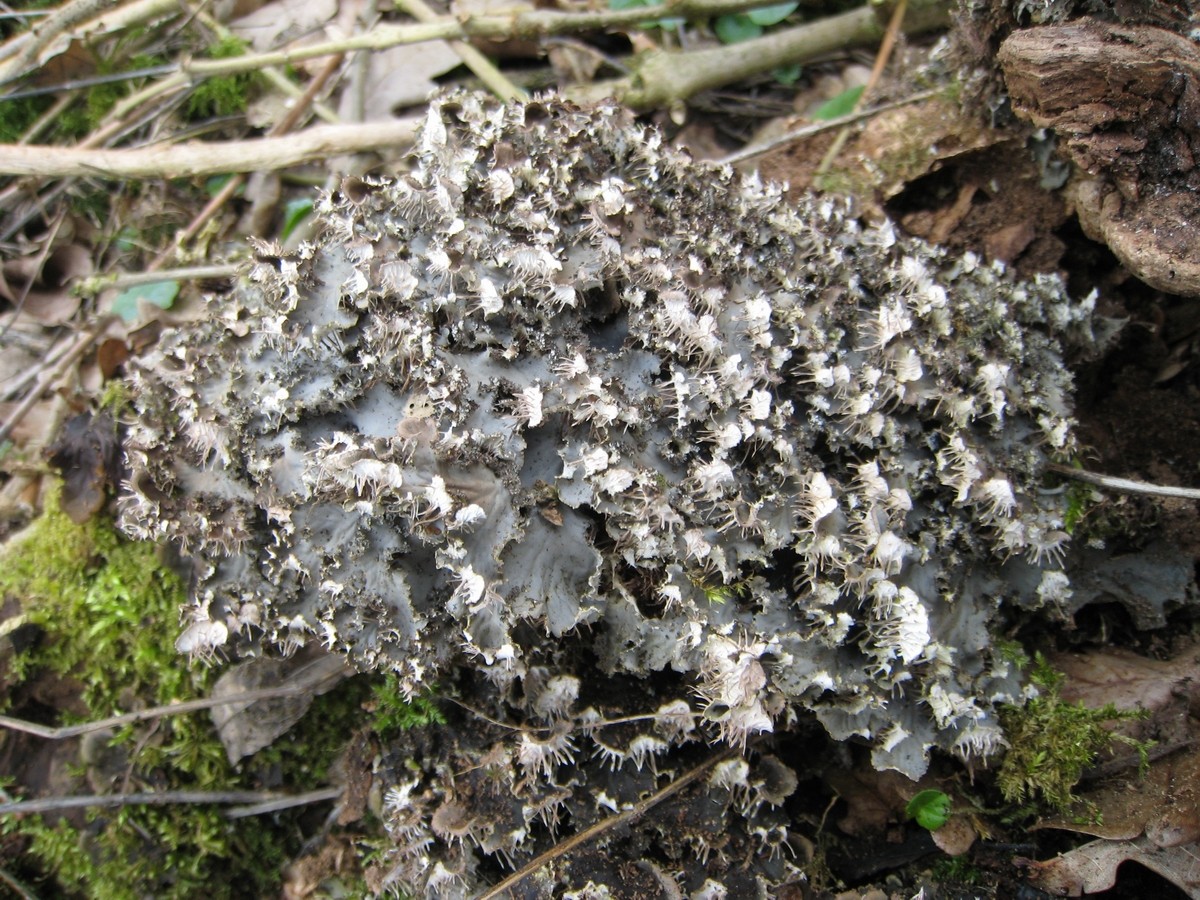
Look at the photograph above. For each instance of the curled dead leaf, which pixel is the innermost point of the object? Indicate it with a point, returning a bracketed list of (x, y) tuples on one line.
[(955, 837), (88, 454), (47, 296), (247, 727)]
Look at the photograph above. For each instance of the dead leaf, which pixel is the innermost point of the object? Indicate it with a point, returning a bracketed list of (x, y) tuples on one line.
[(263, 191), (1168, 689), (246, 728), (48, 300), (284, 21), (110, 356), (874, 800), (956, 836), (1009, 242), (401, 77), (36, 427), (87, 452), (573, 64), (1093, 867)]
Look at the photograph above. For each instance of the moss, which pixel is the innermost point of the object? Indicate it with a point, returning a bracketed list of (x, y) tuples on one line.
[(16, 116), (222, 95), (110, 611), (1052, 742), (956, 870), (83, 117), (394, 713), (103, 598)]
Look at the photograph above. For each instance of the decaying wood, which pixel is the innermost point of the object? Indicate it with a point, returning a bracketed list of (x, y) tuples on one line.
[(1125, 101)]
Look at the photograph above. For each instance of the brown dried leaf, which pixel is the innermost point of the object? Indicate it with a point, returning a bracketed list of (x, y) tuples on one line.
[(1164, 802), (110, 356), (247, 727), (1129, 681), (401, 77), (48, 301), (956, 836), (275, 24), (88, 454), (37, 426), (1093, 867), (874, 800)]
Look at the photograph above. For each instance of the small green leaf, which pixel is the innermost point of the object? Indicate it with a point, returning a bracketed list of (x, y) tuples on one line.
[(295, 212), (157, 293), (215, 184), (733, 29), (841, 105), (126, 239), (771, 15), (669, 23), (788, 75), (930, 809)]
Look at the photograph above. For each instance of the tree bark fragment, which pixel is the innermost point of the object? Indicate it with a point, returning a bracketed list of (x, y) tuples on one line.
[(1125, 101)]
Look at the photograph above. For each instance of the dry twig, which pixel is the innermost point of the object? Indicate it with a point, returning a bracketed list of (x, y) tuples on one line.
[(1126, 485), (263, 801), (282, 127), (635, 812), (144, 715), (886, 47)]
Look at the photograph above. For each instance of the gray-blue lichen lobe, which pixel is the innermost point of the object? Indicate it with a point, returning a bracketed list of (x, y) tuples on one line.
[(560, 380)]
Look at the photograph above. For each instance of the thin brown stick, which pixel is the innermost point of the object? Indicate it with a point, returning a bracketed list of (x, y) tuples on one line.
[(519, 22), (886, 46), (38, 267), (144, 715), (199, 159), (799, 134), (18, 889), (78, 348), (636, 811), (51, 357), (111, 21), (278, 80), (264, 801), (64, 18), (661, 78), (282, 803)]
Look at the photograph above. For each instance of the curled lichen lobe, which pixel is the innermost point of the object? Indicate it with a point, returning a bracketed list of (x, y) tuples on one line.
[(560, 375)]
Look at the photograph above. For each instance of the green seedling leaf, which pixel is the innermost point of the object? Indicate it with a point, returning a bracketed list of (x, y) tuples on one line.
[(295, 212), (771, 15), (214, 184), (841, 105), (158, 293), (929, 809), (126, 239), (787, 75), (733, 29), (666, 24)]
